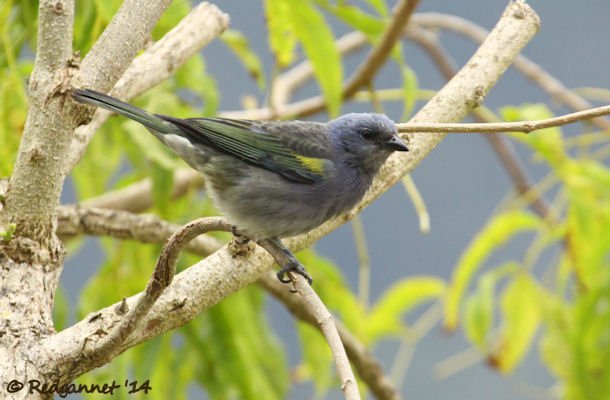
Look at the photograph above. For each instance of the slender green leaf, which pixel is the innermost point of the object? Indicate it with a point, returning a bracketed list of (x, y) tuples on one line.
[(240, 46), (282, 39), (480, 306), (500, 229), (385, 316), (319, 46), (522, 309)]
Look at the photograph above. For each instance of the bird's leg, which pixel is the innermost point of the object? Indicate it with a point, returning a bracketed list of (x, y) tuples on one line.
[(291, 263)]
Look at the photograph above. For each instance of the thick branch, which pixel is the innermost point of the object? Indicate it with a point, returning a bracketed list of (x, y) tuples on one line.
[(156, 64), (37, 179), (123, 38), (151, 229), (223, 273)]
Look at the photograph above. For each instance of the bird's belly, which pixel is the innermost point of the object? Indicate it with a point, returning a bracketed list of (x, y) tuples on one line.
[(266, 207)]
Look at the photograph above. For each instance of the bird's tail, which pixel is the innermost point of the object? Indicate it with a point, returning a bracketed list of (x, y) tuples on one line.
[(110, 103)]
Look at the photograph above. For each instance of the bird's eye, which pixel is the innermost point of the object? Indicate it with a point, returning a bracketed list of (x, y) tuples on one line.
[(367, 134)]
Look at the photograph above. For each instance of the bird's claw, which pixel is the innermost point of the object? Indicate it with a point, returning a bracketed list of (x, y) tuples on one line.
[(240, 238), (293, 267)]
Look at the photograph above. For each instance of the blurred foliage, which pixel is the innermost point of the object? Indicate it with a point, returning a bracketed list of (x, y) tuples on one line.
[(562, 308)]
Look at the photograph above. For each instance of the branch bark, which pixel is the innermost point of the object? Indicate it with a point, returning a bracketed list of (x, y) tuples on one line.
[(125, 35), (156, 64), (223, 273)]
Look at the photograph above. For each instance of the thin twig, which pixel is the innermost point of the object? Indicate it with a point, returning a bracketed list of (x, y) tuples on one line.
[(364, 270), (362, 76), (323, 318), (519, 126), (161, 277), (551, 85), (503, 148), (368, 368), (375, 59)]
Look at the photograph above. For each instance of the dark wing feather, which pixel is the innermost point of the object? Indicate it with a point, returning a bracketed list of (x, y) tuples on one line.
[(267, 145)]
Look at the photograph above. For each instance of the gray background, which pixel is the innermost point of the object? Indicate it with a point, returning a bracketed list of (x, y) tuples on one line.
[(461, 181)]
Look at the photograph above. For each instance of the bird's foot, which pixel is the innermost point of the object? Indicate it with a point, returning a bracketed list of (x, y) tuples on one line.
[(240, 238), (293, 266)]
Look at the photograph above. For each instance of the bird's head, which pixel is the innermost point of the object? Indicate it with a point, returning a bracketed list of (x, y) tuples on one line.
[(365, 140)]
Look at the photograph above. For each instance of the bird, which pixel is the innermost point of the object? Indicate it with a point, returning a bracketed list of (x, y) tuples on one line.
[(278, 178)]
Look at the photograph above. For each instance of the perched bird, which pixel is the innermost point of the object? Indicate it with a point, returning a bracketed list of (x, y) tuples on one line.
[(274, 179)]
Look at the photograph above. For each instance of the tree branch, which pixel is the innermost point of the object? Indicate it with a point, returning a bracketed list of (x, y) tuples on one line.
[(369, 370), (503, 148), (137, 197), (36, 183), (551, 85), (518, 126), (223, 273), (163, 274), (363, 74), (151, 229), (75, 220), (323, 318), (157, 63), (114, 51)]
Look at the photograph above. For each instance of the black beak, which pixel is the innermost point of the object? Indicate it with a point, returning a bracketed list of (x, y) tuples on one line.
[(395, 143)]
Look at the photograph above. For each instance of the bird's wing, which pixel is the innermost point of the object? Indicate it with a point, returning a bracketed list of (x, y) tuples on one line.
[(264, 145)]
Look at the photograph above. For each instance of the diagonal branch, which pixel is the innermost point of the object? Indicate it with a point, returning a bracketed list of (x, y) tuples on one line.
[(114, 51), (363, 74), (551, 85), (223, 272), (323, 318), (157, 63), (369, 370)]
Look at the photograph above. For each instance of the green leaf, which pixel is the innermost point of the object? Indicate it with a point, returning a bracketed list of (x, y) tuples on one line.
[(246, 353), (480, 306), (500, 229), (385, 316), (282, 39), (319, 46), (355, 17), (238, 43), (410, 89), (548, 142), (522, 309), (380, 6)]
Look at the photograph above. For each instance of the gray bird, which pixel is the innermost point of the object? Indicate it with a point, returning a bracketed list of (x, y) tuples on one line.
[(274, 179)]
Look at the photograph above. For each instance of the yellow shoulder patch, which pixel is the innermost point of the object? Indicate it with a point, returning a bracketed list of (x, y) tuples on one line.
[(315, 165)]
